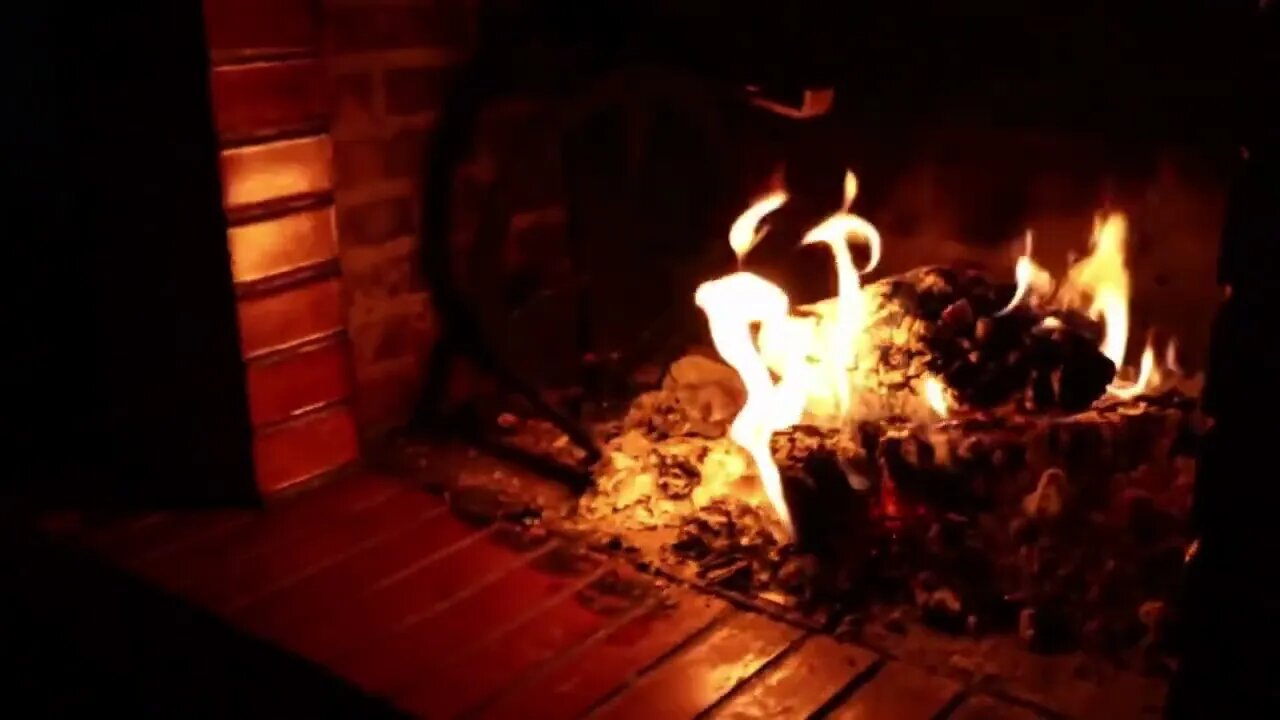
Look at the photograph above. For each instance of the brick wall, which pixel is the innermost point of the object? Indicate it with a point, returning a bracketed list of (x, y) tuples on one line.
[(325, 109), (387, 63), (271, 109)]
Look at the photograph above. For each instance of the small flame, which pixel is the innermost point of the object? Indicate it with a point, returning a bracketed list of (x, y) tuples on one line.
[(839, 227), (1171, 357), (1148, 375), (1030, 277), (745, 231), (935, 393)]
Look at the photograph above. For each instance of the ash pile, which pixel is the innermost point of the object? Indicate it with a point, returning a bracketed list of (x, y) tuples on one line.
[(1042, 507)]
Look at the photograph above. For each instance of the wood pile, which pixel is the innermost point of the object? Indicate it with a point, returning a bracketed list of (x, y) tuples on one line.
[(1041, 508)]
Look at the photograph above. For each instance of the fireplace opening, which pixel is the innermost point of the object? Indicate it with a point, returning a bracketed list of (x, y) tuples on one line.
[(929, 351)]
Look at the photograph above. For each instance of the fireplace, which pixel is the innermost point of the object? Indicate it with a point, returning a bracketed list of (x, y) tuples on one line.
[(891, 346)]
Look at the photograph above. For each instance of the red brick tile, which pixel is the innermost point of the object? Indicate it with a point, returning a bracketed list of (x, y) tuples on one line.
[(369, 617), (799, 684), (388, 400), (698, 676), (899, 691), (571, 688), (302, 449), (981, 707), (406, 154), (376, 221), (420, 649), (351, 29), (241, 579), (411, 91), (281, 387), (261, 97), (270, 171), (281, 319), (290, 519), (310, 602), (353, 103), (261, 25), (460, 686), (166, 531), (265, 248), (359, 162)]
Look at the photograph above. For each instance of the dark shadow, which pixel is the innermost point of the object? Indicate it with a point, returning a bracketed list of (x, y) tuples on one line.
[(84, 639)]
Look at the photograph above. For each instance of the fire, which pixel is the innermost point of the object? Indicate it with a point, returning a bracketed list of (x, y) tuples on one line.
[(1171, 357), (801, 363), (1103, 278), (850, 317), (1030, 278), (744, 233), (733, 304), (935, 393), (813, 353)]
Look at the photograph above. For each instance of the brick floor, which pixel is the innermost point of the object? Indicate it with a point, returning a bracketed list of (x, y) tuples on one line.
[(379, 584)]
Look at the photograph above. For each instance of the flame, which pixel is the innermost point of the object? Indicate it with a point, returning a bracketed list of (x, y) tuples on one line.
[(813, 354), (1029, 276), (1103, 277), (935, 393), (1148, 375), (802, 363), (745, 231), (1171, 357), (838, 354), (1051, 323), (732, 304)]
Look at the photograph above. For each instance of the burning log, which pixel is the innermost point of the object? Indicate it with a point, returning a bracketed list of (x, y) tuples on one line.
[(944, 321), (1073, 521)]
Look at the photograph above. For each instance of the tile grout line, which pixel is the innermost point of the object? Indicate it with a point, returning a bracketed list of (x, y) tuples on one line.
[(413, 619), (349, 551), (429, 558), (738, 687), (846, 691), (638, 677), (350, 511), (498, 633), (142, 561), (550, 665)]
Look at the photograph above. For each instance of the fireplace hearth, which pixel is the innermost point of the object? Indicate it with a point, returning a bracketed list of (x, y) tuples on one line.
[(935, 445)]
